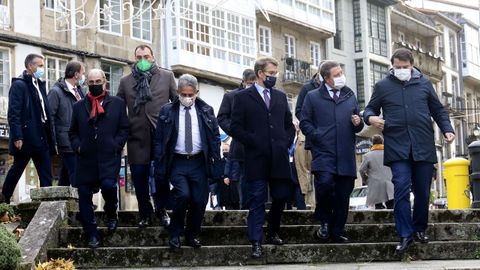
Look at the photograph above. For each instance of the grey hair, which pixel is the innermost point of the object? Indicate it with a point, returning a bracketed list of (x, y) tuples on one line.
[(96, 70), (187, 80)]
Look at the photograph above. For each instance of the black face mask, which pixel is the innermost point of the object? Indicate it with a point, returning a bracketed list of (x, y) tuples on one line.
[(225, 154), (95, 89)]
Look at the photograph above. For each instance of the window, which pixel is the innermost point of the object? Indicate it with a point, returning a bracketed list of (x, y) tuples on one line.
[(141, 24), (418, 43), (203, 29), (337, 39), (4, 72), (265, 40), (218, 34), (377, 72), (51, 4), (453, 50), (300, 5), (401, 37), (357, 26), (376, 29), (455, 89), (113, 73), (289, 46), (315, 54), (110, 16), (4, 15), (441, 49), (55, 68), (360, 84)]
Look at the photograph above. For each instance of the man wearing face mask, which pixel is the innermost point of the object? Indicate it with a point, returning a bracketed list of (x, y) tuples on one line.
[(409, 102), (187, 147), (145, 91), (98, 132), (32, 135), (63, 94), (329, 119), (237, 154), (262, 122)]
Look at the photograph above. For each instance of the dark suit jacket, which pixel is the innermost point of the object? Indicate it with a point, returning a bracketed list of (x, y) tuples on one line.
[(225, 119), (265, 133), (24, 117), (167, 134), (100, 140)]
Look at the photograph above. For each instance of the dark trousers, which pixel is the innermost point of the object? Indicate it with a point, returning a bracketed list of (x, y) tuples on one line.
[(85, 195), (415, 176), (67, 174), (42, 164), (332, 195), (190, 196), (141, 177), (280, 191)]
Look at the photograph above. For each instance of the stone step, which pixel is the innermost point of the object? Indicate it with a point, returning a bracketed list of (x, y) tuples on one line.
[(292, 234), (292, 217), (240, 254)]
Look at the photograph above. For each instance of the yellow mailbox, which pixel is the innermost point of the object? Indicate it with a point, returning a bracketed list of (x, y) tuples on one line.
[(455, 171)]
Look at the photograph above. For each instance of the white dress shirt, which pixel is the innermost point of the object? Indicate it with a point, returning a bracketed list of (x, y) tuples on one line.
[(196, 139), (35, 83), (260, 91), (330, 91)]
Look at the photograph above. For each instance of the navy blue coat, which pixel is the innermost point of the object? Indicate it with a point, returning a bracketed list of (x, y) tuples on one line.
[(98, 142), (328, 125), (408, 108), (265, 133), (167, 134), (314, 83), (24, 117)]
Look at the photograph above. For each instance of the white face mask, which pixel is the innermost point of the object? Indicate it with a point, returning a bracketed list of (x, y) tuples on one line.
[(187, 101), (403, 74), (339, 82)]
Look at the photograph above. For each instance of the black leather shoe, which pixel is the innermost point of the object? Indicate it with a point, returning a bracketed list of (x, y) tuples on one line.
[(256, 250), (323, 232), (112, 225), (340, 239), (93, 242), (195, 243), (163, 217), (274, 240), (421, 237), (174, 243), (405, 243), (145, 222)]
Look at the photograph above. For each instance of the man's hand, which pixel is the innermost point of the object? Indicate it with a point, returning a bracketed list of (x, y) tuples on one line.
[(376, 121), (18, 144), (356, 120), (449, 137), (226, 180)]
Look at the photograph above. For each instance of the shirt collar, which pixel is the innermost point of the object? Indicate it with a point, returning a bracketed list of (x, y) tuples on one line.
[(260, 88), (329, 88), (69, 86), (191, 107)]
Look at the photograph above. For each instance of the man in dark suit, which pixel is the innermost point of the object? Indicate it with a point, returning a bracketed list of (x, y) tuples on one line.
[(32, 135), (329, 120), (236, 153), (98, 133), (63, 94), (409, 102), (187, 148), (262, 122)]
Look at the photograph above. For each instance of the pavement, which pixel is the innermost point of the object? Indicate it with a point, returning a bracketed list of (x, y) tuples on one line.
[(413, 265)]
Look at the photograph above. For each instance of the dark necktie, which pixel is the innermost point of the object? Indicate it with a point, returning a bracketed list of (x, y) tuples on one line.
[(188, 131), (77, 95), (266, 98), (335, 97)]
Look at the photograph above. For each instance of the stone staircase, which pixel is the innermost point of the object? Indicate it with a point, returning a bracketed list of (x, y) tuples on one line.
[(453, 235)]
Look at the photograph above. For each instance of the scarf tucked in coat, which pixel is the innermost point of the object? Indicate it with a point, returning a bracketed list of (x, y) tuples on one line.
[(142, 88), (96, 101), (377, 147)]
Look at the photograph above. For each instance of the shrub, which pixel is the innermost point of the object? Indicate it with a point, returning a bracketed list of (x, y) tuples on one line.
[(9, 250), (6, 208)]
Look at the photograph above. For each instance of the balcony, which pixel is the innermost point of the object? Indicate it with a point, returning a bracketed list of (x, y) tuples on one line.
[(429, 63), (454, 104), (295, 71)]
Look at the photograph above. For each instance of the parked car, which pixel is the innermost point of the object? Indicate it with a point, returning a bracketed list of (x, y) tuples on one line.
[(358, 199)]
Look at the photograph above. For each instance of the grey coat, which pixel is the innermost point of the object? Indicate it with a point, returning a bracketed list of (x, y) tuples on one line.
[(143, 124), (61, 102), (378, 176)]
